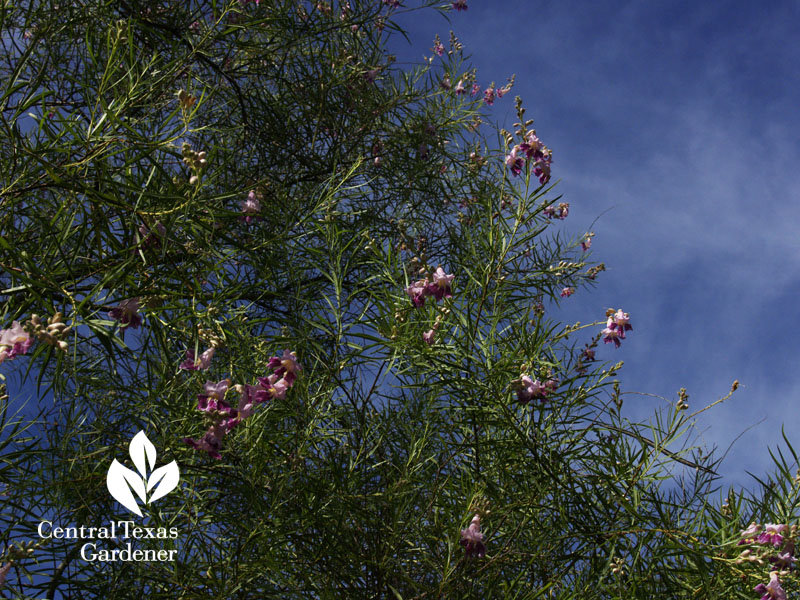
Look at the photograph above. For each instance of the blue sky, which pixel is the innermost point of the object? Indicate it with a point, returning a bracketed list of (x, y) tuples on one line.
[(676, 124)]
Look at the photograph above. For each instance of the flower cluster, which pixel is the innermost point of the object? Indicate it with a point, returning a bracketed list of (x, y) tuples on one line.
[(618, 323), (567, 292), (556, 212), (460, 5), (14, 341), (532, 389), (472, 539), (774, 543), (534, 151), (223, 417), (436, 285)]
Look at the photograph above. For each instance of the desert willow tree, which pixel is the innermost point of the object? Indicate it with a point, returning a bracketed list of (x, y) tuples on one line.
[(312, 281)]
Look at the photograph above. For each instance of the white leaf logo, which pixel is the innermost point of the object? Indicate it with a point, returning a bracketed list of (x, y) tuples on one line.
[(121, 480)]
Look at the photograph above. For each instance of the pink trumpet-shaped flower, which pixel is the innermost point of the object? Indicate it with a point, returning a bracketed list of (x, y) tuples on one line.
[(618, 323), (440, 287), (753, 529), (773, 590), (274, 386), (772, 534), (514, 162), (13, 341), (216, 390), (417, 291), (472, 539), (250, 207), (248, 399), (127, 313), (286, 366), (211, 442)]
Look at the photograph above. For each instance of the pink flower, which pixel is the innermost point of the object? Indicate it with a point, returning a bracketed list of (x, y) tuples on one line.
[(392, 3), (588, 353), (216, 390), (532, 146), (211, 442), (784, 560), (567, 292), (459, 89), (611, 335), (772, 534), (438, 48), (618, 323), (127, 313), (460, 5), (621, 321), (472, 539), (488, 95), (773, 590), (250, 207), (530, 390), (475, 89), (429, 336), (514, 162), (445, 84), (14, 341), (540, 154), (542, 171), (586, 244), (559, 212), (417, 292), (753, 529), (249, 398), (201, 364), (214, 406), (274, 387), (440, 288), (286, 366)]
